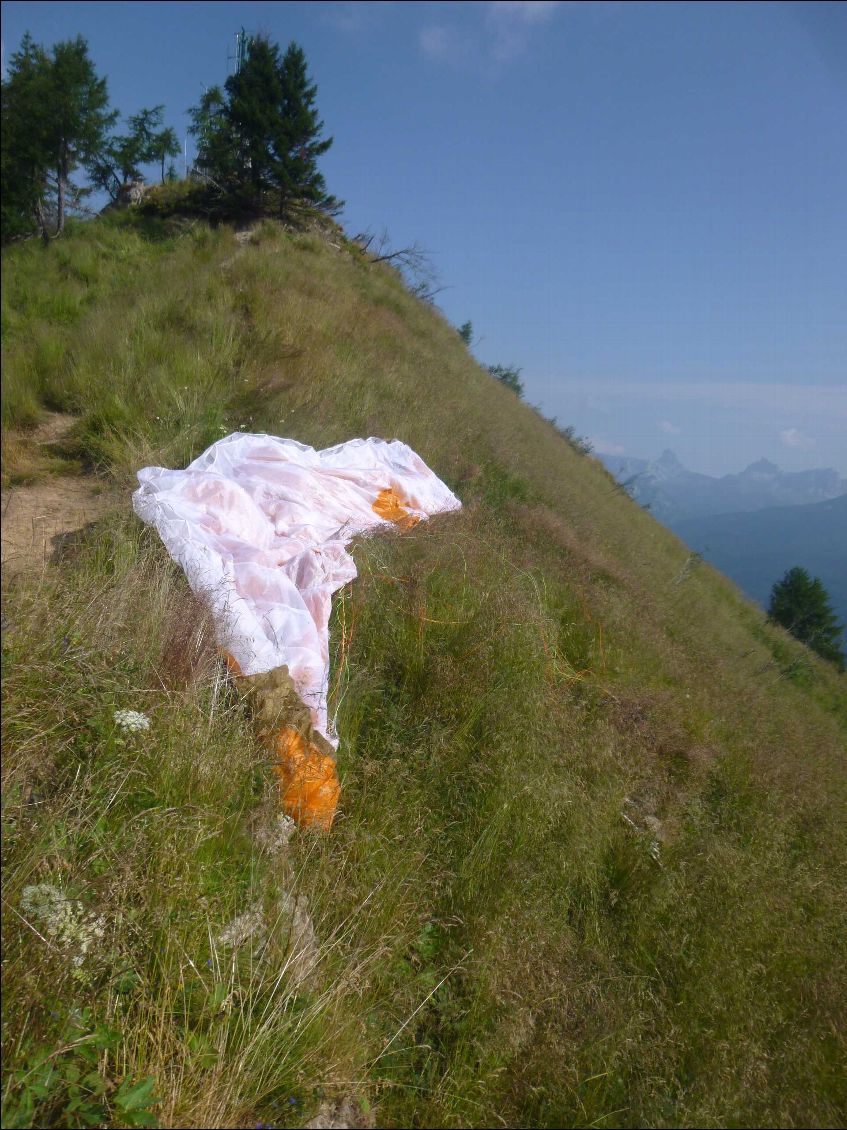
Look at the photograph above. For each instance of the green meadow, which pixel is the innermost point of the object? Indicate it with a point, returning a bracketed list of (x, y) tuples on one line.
[(589, 865)]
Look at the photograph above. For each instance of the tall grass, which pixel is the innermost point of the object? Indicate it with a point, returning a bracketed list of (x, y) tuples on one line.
[(587, 866)]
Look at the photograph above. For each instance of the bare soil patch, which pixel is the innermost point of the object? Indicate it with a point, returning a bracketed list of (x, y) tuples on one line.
[(37, 516)]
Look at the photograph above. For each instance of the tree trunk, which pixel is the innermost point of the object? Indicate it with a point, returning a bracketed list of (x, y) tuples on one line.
[(60, 218), (63, 180), (42, 221)]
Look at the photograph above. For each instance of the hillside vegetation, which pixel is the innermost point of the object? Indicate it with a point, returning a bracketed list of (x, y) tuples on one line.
[(589, 868)]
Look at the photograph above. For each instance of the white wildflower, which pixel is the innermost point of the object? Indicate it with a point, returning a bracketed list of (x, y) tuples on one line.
[(42, 901), (132, 720), (63, 920)]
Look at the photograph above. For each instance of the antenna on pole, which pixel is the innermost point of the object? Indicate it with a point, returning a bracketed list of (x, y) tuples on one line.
[(242, 46)]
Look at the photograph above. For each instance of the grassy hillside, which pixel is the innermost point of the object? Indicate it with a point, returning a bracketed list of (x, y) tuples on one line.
[(589, 865)]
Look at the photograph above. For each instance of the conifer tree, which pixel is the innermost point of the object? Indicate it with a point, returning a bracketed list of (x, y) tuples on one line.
[(509, 375), (299, 177), (801, 604), (26, 152), (119, 161), (80, 116), (216, 159), (55, 118), (254, 112), (258, 139), (165, 144)]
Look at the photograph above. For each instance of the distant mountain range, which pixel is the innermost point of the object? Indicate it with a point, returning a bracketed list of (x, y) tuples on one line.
[(753, 526), (673, 493)]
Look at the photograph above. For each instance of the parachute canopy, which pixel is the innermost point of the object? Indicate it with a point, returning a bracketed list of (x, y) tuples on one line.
[(261, 525)]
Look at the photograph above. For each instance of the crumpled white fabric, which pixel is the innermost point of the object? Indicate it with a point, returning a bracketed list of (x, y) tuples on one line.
[(260, 526)]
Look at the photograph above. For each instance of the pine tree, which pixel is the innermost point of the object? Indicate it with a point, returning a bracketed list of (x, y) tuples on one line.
[(801, 604), (258, 139), (255, 113), (299, 178)]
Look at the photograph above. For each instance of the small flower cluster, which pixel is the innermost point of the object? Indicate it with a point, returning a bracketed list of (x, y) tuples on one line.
[(130, 721), (63, 920)]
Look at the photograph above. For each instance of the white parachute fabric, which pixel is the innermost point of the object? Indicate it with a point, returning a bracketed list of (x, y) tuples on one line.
[(260, 525)]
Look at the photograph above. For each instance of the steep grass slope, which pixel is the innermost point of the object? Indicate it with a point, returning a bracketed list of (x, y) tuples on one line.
[(589, 868)]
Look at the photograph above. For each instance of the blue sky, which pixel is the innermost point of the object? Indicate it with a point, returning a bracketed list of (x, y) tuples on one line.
[(641, 205)]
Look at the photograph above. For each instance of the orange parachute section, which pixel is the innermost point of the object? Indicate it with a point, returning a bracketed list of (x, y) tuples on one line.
[(308, 781), (389, 506), (305, 764)]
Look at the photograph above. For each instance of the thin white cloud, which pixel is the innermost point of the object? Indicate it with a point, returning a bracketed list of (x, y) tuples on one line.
[(793, 437), (510, 23), (438, 42), (354, 17), (506, 30), (669, 428)]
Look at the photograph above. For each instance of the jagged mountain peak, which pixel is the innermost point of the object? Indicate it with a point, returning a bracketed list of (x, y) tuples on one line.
[(675, 493)]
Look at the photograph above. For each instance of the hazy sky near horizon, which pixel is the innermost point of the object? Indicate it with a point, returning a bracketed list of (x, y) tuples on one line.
[(642, 205)]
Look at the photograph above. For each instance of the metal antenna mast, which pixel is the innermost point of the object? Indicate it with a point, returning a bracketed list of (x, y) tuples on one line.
[(242, 46)]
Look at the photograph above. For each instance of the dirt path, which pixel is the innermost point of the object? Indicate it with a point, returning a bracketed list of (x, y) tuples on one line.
[(37, 514)]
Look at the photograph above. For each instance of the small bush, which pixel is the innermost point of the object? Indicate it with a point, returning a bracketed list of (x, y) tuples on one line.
[(508, 375)]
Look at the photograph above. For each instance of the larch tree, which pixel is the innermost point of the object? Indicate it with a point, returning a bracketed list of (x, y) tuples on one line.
[(80, 117), (165, 144), (55, 119), (26, 150), (119, 161)]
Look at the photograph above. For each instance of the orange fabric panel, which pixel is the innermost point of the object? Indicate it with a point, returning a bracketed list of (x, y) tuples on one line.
[(388, 506), (310, 788), (307, 777)]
